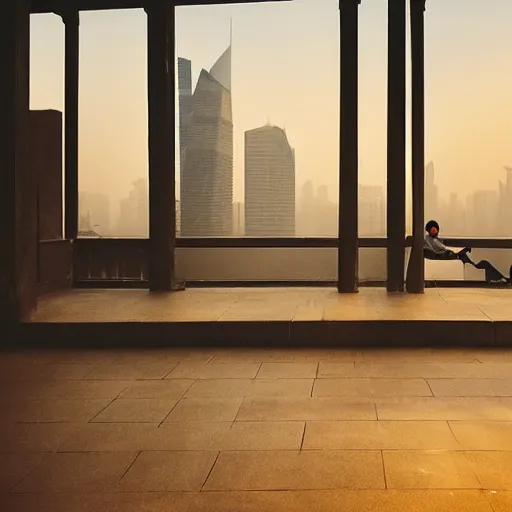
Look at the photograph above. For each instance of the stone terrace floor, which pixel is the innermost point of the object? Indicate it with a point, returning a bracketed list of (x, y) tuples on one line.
[(267, 304), (250, 430)]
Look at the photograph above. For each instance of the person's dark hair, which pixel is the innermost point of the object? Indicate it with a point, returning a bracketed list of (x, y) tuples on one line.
[(431, 224)]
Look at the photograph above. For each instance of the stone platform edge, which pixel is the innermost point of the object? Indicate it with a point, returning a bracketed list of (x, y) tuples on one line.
[(356, 333)]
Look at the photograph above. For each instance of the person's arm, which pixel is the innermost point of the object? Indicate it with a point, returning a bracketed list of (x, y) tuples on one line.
[(438, 247)]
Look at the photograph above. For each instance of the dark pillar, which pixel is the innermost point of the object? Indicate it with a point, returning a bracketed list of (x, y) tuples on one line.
[(71, 22), (162, 200), (396, 145), (16, 297), (416, 268), (348, 193)]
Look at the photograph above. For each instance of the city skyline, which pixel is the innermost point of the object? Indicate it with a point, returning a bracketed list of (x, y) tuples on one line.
[(288, 73)]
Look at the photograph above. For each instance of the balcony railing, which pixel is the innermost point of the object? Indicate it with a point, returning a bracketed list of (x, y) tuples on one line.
[(111, 262)]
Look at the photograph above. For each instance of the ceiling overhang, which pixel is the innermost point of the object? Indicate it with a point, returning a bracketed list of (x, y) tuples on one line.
[(57, 6)]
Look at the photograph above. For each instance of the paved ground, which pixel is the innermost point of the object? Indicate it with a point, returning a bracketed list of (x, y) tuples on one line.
[(256, 431), (285, 304)]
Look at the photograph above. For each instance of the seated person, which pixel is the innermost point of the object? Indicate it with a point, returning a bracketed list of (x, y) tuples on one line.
[(434, 249)]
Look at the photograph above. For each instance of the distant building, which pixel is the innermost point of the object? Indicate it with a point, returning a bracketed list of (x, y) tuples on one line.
[(505, 204), (206, 186), (431, 194), (316, 214), (269, 183), (134, 212), (184, 105), (94, 213), (372, 211), (238, 219), (482, 208), (178, 218)]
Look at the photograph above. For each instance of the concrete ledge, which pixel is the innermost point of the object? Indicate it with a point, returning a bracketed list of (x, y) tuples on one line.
[(392, 333)]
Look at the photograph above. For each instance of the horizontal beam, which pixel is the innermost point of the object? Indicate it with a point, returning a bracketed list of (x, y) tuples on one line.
[(294, 243), (56, 6), (479, 243), (232, 242)]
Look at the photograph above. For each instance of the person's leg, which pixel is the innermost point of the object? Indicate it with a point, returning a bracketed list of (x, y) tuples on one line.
[(463, 256), (491, 272), (445, 256)]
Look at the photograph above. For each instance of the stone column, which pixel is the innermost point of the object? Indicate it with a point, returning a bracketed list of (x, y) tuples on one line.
[(348, 182), (71, 23), (396, 145), (416, 268), (162, 197), (17, 298)]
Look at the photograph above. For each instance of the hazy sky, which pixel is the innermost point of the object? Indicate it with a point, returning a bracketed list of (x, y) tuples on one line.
[(286, 71)]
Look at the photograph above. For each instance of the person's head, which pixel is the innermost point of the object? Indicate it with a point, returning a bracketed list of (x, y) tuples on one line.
[(432, 228)]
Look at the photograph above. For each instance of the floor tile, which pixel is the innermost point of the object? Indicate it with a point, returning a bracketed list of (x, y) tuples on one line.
[(272, 355), (296, 470), (471, 387), (15, 466), (303, 409), (379, 435), (71, 411), (132, 371), (417, 355), (225, 388), (183, 436), (494, 469), (501, 501), (483, 435), (114, 437), (339, 501), (190, 370), (205, 409), (169, 471), (174, 388), (328, 369), (371, 387), (137, 410), (237, 436), (75, 389), (103, 502), (52, 372), (35, 437), (158, 355), (288, 371), (428, 470), (68, 472), (445, 409), (262, 501), (427, 370)]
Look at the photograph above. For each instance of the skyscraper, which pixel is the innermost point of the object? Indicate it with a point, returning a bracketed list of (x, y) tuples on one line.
[(269, 183), (372, 210), (134, 211), (431, 194), (185, 104), (207, 174)]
